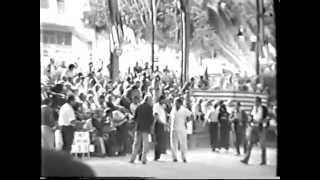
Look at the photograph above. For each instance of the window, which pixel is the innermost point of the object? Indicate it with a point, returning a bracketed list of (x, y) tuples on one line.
[(60, 5), (44, 4), (56, 37), (68, 38)]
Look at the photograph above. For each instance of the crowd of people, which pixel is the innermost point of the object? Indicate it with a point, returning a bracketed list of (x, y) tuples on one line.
[(123, 116)]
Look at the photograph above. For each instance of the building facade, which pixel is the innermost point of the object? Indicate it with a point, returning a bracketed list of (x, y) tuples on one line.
[(62, 32)]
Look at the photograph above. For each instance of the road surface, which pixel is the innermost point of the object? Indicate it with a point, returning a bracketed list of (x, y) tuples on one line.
[(202, 163)]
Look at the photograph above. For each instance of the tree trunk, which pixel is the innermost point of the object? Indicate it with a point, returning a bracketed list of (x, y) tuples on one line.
[(185, 19), (114, 40)]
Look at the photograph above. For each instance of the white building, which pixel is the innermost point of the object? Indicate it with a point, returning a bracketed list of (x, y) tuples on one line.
[(62, 33)]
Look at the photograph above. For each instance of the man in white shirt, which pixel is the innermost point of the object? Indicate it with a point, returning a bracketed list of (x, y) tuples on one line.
[(212, 118), (160, 117), (257, 131), (67, 121), (178, 131)]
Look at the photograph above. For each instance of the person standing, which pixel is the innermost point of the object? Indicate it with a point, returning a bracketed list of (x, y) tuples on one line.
[(144, 126), (47, 124), (67, 121), (257, 130), (212, 119), (160, 117), (178, 134), (223, 119), (239, 124)]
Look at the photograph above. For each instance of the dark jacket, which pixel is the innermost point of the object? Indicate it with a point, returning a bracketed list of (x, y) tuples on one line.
[(144, 118), (47, 116)]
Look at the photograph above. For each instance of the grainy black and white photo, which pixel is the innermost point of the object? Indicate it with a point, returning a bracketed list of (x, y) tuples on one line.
[(179, 89)]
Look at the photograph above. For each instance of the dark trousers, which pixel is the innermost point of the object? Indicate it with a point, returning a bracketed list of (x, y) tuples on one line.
[(214, 134), (240, 138), (123, 138), (160, 145), (67, 136), (224, 135), (257, 134)]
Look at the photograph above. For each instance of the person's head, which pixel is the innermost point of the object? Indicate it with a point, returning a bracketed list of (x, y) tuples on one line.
[(90, 64), (137, 83), (157, 68), (147, 99), (258, 101), (238, 105), (109, 98), (92, 83), (178, 103), (71, 67), (51, 60), (82, 97), (101, 99), (128, 79), (192, 79), (223, 108), (47, 101), (108, 112), (201, 77), (137, 64), (157, 77), (135, 100), (71, 100), (97, 87), (162, 99), (90, 98)]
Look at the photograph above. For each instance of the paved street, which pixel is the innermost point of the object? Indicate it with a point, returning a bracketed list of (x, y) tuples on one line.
[(202, 163)]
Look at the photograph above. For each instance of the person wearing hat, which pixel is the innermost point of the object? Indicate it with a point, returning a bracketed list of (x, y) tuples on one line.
[(239, 123), (257, 131)]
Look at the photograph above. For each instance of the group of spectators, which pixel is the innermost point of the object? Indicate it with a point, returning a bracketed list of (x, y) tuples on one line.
[(103, 107), (106, 109)]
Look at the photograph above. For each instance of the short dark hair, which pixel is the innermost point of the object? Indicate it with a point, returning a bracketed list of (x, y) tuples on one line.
[(71, 98), (71, 66), (46, 101), (162, 97), (179, 100), (258, 99)]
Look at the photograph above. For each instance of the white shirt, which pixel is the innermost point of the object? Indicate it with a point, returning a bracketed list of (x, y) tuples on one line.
[(159, 109), (179, 118), (212, 114), (66, 115), (257, 114), (133, 107)]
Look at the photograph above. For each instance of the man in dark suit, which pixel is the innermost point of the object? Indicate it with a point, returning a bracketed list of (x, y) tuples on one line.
[(144, 126)]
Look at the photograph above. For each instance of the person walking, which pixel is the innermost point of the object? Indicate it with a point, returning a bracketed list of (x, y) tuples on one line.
[(178, 129), (239, 124), (67, 121), (144, 126), (212, 119), (223, 119), (257, 130), (160, 117)]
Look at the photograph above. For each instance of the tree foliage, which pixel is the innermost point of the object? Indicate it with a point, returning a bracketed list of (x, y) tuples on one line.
[(214, 23)]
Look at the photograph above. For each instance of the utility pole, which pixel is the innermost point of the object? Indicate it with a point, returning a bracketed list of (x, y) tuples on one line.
[(185, 34), (153, 20), (260, 37)]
